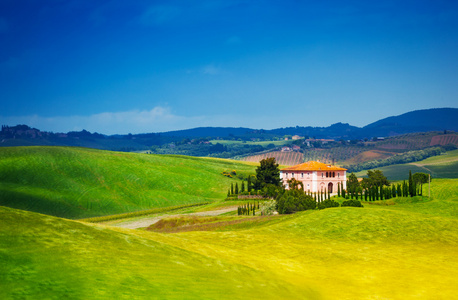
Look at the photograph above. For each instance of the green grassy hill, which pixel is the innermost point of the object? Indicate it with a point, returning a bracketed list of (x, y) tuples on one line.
[(443, 166), (80, 182), (401, 251)]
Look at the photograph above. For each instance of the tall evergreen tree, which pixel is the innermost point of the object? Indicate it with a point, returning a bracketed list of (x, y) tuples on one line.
[(411, 187), (267, 173), (242, 189), (248, 185), (232, 189), (236, 188)]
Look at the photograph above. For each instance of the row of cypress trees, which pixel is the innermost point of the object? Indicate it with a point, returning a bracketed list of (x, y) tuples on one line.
[(247, 209), (373, 193)]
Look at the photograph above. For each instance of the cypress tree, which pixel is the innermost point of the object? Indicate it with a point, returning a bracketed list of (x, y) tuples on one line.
[(248, 185), (398, 190), (411, 185), (236, 188), (338, 189), (381, 192), (232, 189), (393, 191), (243, 187)]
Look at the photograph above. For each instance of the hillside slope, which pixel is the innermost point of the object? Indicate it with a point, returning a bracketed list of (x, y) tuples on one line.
[(401, 251), (442, 166), (79, 182), (415, 121), (44, 257)]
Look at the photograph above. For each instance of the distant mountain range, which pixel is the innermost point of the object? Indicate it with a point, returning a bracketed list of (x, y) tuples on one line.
[(438, 119)]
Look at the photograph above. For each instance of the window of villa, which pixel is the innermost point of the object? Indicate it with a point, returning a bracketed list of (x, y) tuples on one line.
[(302, 175), (292, 175)]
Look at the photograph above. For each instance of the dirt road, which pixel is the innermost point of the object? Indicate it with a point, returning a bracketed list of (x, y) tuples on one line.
[(151, 220)]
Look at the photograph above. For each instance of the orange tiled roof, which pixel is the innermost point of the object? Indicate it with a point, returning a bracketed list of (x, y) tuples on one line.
[(313, 166)]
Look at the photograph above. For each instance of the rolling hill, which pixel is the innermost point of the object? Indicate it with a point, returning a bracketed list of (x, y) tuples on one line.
[(426, 120), (442, 166), (401, 251), (80, 182)]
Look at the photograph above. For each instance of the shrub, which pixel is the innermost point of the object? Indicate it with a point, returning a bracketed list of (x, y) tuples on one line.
[(328, 203), (294, 200), (354, 203), (267, 208)]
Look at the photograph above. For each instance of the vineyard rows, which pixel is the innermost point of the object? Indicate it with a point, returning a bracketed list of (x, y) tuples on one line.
[(444, 140), (329, 156), (282, 158), (406, 142), (332, 155)]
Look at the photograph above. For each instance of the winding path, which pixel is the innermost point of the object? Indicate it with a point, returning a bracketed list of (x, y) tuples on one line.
[(151, 220)]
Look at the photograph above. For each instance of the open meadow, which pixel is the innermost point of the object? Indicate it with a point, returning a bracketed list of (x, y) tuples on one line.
[(402, 248), (405, 250), (80, 182)]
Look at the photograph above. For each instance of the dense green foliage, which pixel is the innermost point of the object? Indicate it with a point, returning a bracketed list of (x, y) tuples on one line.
[(267, 173), (80, 182), (328, 203), (293, 201), (354, 203)]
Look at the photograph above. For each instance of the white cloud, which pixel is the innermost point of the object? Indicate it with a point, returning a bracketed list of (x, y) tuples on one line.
[(135, 121), (158, 119)]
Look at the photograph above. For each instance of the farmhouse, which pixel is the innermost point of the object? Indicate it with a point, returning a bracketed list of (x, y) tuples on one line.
[(316, 176)]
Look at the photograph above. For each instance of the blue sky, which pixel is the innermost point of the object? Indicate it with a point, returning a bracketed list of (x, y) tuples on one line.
[(153, 66)]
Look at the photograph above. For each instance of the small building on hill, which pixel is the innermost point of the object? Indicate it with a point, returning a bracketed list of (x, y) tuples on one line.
[(315, 176)]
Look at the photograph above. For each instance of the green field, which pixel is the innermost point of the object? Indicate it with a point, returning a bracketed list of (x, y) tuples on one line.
[(443, 166), (401, 251), (262, 143), (79, 182), (402, 248)]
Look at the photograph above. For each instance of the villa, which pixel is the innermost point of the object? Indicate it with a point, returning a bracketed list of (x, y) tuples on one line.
[(316, 176)]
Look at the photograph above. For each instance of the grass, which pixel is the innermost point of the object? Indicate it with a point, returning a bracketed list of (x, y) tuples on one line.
[(140, 213), (43, 257), (81, 183), (443, 166), (406, 250)]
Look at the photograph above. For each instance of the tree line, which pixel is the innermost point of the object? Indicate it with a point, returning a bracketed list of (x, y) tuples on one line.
[(375, 187)]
